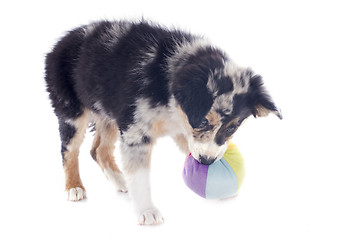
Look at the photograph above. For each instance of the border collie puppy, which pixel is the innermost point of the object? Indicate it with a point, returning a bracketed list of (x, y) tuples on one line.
[(137, 81)]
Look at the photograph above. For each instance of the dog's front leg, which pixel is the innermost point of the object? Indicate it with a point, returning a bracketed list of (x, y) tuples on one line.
[(136, 159)]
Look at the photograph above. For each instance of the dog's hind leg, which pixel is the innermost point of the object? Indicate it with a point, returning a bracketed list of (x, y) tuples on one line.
[(72, 133), (103, 149), (61, 66)]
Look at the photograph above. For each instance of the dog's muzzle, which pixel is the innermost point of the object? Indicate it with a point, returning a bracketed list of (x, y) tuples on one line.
[(206, 160)]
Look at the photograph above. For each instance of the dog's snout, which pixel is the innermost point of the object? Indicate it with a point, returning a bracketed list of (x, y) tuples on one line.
[(206, 160)]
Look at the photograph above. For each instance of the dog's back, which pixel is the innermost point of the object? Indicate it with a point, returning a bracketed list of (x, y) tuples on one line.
[(93, 65)]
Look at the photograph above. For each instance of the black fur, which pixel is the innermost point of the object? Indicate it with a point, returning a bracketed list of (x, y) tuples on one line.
[(116, 64), (60, 67), (190, 84), (258, 96), (106, 75), (67, 132)]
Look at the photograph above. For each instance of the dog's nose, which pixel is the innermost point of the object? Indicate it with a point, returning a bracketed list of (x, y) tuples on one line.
[(206, 160)]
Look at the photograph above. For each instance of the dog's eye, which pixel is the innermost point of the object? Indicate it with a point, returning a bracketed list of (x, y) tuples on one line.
[(231, 129), (204, 123)]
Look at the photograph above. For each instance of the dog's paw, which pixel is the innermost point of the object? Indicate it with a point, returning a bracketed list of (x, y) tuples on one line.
[(122, 188), (76, 194), (120, 184), (150, 216)]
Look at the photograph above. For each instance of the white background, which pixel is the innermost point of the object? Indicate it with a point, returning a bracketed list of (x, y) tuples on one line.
[(295, 182)]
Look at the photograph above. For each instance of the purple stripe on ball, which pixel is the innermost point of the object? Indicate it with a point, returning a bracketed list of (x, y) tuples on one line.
[(195, 175)]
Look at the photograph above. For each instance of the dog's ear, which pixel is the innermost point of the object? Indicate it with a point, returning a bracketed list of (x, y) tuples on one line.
[(261, 102), (191, 92)]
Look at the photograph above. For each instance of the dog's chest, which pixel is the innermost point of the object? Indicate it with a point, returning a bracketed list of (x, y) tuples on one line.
[(163, 126), (158, 121)]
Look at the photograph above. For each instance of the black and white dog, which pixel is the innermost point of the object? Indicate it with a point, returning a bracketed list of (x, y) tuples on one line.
[(144, 81)]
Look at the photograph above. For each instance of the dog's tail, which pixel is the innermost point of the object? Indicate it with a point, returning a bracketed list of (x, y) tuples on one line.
[(60, 65)]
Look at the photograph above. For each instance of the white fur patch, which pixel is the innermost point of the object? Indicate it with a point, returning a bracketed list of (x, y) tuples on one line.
[(76, 194), (146, 57), (139, 189), (241, 82), (116, 178), (150, 217), (187, 49), (144, 118), (89, 29), (70, 122), (209, 149), (183, 52), (111, 37), (212, 85)]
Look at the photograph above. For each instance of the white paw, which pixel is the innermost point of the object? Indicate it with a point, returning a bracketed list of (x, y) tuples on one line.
[(76, 194), (122, 188), (150, 216), (120, 183)]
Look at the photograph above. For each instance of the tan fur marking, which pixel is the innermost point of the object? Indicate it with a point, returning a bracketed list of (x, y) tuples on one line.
[(71, 167), (230, 123), (213, 118), (182, 143), (158, 129), (103, 150), (104, 143), (262, 111), (202, 135)]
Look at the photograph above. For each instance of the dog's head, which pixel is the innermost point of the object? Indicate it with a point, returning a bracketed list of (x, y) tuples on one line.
[(215, 96)]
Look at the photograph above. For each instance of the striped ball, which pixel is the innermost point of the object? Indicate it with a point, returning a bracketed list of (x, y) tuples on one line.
[(220, 180)]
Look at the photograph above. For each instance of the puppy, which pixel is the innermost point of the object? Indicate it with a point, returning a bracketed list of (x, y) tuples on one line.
[(137, 81)]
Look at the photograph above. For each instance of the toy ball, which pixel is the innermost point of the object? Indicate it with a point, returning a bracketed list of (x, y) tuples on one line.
[(219, 180)]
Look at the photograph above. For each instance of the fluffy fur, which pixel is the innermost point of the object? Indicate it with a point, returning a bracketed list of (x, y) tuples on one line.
[(141, 81)]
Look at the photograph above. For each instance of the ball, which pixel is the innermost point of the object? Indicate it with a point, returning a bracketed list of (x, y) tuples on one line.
[(219, 180)]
